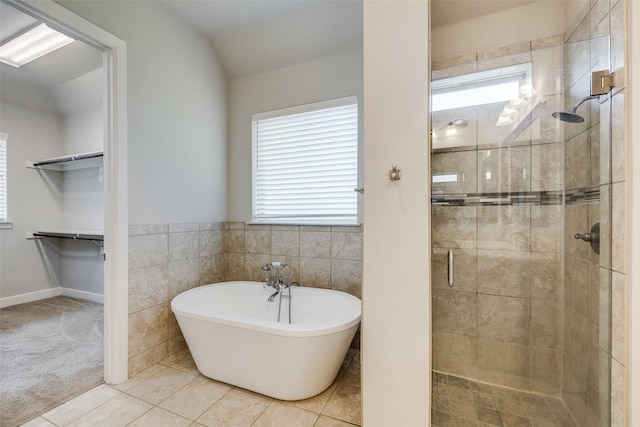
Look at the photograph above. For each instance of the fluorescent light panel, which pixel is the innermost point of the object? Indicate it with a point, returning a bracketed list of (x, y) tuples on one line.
[(31, 45)]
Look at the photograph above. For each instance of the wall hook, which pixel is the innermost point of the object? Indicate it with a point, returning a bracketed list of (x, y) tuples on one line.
[(395, 173)]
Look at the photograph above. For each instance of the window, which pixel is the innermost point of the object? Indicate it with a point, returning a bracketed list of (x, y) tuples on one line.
[(305, 164), (483, 87), (3, 177)]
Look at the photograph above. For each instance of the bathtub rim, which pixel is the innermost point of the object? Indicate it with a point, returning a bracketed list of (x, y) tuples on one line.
[(178, 307)]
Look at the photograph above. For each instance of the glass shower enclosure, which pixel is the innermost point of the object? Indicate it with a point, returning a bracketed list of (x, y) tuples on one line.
[(521, 247)]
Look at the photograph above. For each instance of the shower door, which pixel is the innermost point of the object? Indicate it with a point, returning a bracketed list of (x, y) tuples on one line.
[(519, 300)]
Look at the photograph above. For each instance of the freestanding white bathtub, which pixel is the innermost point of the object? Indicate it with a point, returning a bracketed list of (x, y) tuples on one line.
[(233, 334)]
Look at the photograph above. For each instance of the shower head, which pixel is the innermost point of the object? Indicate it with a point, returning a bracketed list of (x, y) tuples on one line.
[(568, 116), (571, 115)]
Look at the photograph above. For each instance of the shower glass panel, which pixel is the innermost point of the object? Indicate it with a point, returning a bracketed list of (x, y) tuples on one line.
[(529, 304)]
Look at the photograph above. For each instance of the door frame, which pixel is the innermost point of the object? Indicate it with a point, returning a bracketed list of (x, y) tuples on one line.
[(115, 173)]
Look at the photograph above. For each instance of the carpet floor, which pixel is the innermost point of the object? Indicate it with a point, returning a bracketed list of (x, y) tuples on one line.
[(50, 352)]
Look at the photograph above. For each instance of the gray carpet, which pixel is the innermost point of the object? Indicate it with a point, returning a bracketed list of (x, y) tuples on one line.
[(50, 351)]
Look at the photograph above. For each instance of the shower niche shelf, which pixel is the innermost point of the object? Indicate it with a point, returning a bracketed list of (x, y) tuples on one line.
[(70, 162)]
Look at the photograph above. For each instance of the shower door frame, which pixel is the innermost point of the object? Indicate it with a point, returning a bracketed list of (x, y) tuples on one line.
[(115, 173)]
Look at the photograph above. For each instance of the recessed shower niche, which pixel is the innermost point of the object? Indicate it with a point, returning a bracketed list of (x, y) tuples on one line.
[(529, 308)]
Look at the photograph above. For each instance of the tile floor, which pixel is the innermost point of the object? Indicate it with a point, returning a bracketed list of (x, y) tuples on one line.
[(174, 393), (459, 402)]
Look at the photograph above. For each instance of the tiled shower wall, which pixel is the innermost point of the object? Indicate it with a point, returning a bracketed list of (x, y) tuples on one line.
[(594, 310), (502, 217), (165, 260)]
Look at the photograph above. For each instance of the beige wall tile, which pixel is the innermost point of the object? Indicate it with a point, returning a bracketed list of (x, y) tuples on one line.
[(504, 318), (454, 227), (545, 371), (618, 393), (605, 142), (315, 272), (577, 157), (618, 153), (454, 60), (212, 269), (212, 242), (148, 249), (315, 244), (504, 51), (455, 354), (234, 240), (576, 285), (183, 275), (462, 164), (235, 266), (253, 266), (285, 242), (547, 282), (505, 273), (182, 228), (504, 228), (605, 310), (546, 228), (504, 363), (148, 328), (184, 245), (346, 245), (576, 220), (545, 324), (454, 312), (502, 61), (148, 287), (547, 167), (258, 241), (346, 276), (618, 316), (549, 69), (141, 229), (618, 227)]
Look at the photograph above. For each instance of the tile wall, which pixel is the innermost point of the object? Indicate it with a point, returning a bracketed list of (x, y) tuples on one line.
[(165, 260), (594, 361), (499, 322), (532, 307)]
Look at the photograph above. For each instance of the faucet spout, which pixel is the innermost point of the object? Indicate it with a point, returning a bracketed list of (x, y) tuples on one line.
[(275, 294)]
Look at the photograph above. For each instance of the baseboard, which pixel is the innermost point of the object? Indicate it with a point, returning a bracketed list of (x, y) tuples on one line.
[(89, 296), (30, 297), (49, 293)]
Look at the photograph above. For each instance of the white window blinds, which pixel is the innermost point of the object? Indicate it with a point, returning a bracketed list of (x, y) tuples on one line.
[(305, 164), (3, 176)]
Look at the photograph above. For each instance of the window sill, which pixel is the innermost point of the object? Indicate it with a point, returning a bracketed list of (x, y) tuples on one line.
[(6, 225)]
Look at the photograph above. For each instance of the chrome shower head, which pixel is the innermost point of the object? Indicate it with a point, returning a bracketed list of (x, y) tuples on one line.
[(571, 115), (568, 116)]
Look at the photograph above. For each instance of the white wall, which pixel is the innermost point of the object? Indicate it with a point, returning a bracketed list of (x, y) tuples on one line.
[(325, 78), (396, 322), (33, 200), (177, 113), (511, 26)]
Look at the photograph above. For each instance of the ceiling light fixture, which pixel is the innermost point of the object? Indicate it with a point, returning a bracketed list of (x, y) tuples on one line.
[(31, 45)]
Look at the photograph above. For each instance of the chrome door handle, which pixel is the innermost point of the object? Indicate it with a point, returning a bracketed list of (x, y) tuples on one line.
[(450, 267)]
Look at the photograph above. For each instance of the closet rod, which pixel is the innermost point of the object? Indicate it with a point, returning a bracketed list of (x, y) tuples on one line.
[(71, 158), (74, 236)]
